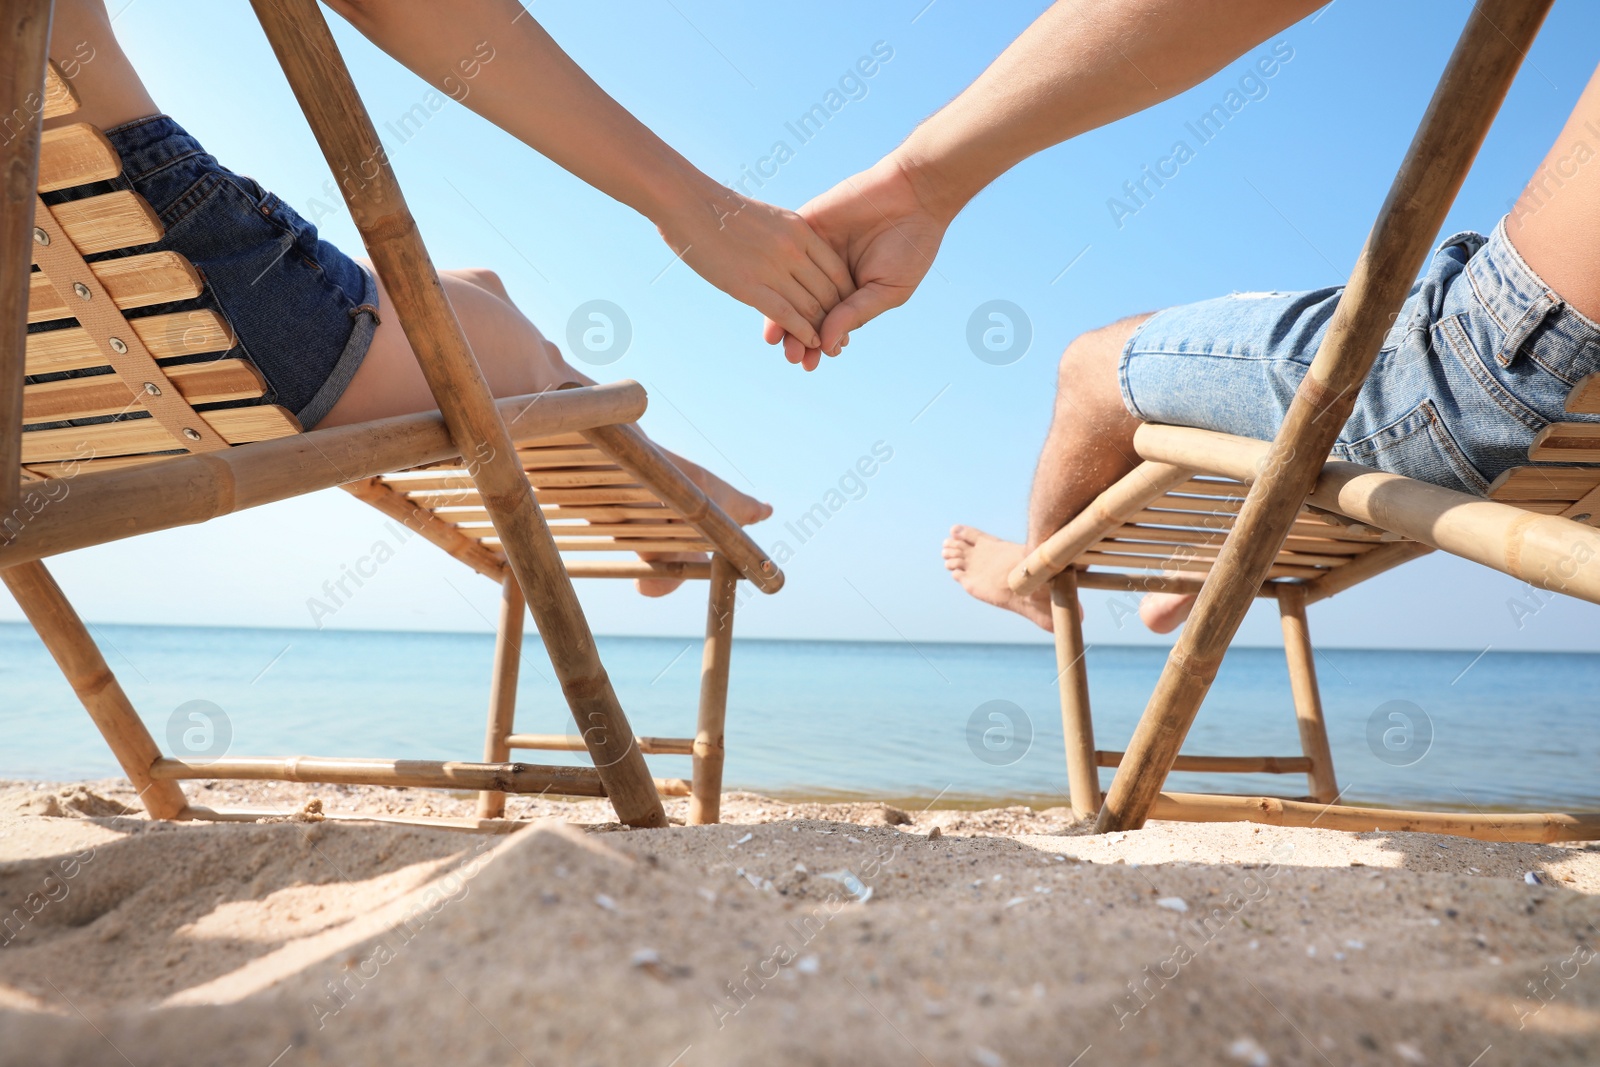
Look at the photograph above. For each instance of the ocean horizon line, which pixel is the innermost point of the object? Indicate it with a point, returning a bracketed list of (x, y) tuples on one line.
[(534, 636)]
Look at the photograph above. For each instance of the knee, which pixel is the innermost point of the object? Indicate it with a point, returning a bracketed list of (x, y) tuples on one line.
[(553, 362), (1084, 354), (1094, 355), (486, 280), (541, 366)]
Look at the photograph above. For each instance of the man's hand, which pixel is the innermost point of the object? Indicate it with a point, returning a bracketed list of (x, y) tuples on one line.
[(1081, 64), (880, 223)]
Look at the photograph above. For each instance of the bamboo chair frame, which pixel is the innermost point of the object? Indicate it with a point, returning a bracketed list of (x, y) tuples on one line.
[(1268, 509), (139, 488)]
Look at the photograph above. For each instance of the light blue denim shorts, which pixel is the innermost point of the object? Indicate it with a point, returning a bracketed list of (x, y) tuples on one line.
[(1481, 358)]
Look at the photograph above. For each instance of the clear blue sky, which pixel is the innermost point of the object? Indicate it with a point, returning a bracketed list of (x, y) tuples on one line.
[(1282, 199)]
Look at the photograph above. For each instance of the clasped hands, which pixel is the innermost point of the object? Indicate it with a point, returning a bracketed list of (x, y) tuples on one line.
[(846, 257)]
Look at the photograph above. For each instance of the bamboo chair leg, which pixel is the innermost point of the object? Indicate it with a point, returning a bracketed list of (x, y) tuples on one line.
[(26, 28), (1297, 651), (321, 82), (1497, 35), (503, 690), (705, 799), (1083, 775), (64, 634)]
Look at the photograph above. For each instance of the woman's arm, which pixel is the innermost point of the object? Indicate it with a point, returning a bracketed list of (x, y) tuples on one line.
[(492, 56)]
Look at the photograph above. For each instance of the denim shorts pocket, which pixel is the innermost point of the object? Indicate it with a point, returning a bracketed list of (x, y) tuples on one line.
[(1418, 445), (1453, 334), (189, 201), (1452, 454), (288, 223), (252, 191)]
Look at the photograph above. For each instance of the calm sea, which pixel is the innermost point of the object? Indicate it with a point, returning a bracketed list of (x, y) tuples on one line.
[(962, 723)]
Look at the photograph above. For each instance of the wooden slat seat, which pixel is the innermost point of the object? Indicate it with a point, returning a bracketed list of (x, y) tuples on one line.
[(174, 336), (1531, 484), (1585, 396), (109, 222), (216, 382), (133, 282), (1572, 488), (1576, 441), (134, 437), (60, 98), (566, 474), (93, 398), (1567, 442), (1163, 529), (1547, 550), (75, 154), (123, 402), (1182, 531)]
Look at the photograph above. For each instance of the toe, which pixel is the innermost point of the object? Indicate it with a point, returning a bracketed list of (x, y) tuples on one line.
[(972, 535)]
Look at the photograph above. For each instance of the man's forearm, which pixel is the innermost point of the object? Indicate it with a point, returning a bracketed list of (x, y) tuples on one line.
[(1082, 64), (533, 90)]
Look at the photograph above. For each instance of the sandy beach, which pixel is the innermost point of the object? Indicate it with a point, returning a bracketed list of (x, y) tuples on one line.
[(791, 933), (1225, 390)]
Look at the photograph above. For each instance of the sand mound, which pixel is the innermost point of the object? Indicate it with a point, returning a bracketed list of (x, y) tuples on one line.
[(73, 801), (789, 938)]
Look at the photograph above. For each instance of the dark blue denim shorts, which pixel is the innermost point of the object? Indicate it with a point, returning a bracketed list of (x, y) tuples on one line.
[(303, 311), (1480, 359)]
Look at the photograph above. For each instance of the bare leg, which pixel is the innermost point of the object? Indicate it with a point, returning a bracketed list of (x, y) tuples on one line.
[(514, 356), (516, 359), (1554, 226), (1089, 447)]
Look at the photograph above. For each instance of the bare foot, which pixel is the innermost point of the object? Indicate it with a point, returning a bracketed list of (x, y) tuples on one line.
[(740, 507), (982, 562), (663, 586), (1163, 613)]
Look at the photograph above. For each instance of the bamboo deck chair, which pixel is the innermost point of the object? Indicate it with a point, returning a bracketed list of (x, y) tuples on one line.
[(1231, 518), (561, 472)]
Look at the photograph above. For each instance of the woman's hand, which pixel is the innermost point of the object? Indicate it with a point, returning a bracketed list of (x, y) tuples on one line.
[(881, 222), (762, 255)]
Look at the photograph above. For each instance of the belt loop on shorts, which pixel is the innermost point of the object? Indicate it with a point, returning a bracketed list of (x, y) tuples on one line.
[(1471, 240), (1518, 332)]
